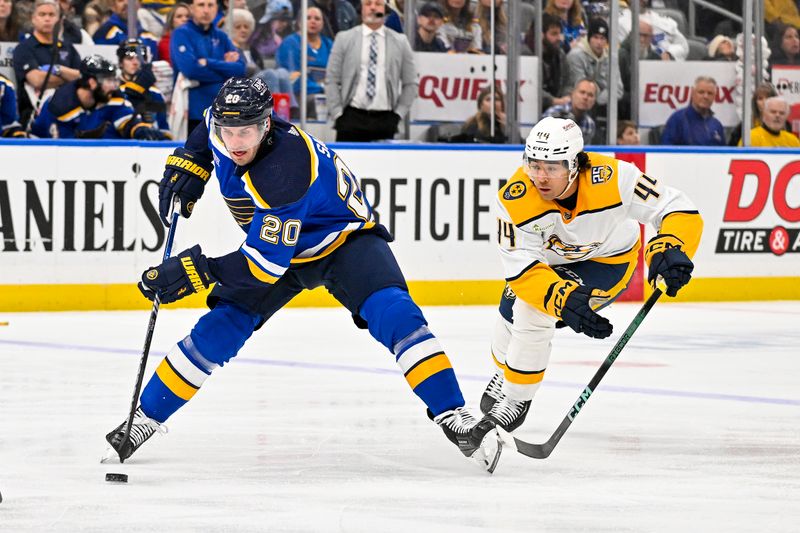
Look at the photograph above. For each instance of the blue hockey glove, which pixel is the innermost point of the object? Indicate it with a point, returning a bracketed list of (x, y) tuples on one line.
[(578, 314), (177, 277), (185, 177), (674, 266)]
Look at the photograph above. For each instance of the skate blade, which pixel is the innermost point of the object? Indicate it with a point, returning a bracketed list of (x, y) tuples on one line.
[(110, 456), (488, 454)]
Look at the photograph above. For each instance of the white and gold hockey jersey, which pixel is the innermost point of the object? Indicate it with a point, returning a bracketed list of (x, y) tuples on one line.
[(613, 197)]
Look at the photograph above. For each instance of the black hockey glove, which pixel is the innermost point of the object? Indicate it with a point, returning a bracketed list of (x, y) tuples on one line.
[(578, 314), (185, 177), (177, 277), (673, 266)]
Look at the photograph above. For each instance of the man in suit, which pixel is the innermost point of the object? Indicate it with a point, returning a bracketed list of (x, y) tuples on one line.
[(371, 80)]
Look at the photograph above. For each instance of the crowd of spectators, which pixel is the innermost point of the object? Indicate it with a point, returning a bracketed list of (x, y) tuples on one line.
[(361, 68)]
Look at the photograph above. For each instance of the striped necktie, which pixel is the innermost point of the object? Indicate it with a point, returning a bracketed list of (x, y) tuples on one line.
[(372, 69)]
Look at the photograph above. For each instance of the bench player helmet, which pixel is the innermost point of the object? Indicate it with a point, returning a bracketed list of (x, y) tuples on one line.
[(133, 48), (97, 67), (241, 102)]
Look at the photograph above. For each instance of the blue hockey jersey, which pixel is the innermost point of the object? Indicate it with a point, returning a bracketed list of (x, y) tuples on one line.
[(297, 201), (115, 31), (111, 120), (9, 118)]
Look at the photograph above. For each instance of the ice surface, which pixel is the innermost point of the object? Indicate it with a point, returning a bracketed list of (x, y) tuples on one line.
[(313, 429)]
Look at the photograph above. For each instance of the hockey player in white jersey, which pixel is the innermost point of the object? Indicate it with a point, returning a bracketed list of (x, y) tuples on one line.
[(569, 238)]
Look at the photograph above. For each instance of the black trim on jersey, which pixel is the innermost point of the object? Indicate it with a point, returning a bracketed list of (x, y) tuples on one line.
[(523, 271), (537, 217), (598, 210), (549, 294), (680, 212)]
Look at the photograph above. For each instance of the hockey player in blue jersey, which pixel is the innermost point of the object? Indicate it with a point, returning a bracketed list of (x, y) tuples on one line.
[(307, 225), (92, 108), (9, 118), (137, 83)]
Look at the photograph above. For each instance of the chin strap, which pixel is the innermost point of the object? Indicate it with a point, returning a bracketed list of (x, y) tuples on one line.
[(573, 174)]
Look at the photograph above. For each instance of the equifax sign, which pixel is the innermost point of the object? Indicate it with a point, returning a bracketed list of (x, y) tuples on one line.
[(779, 239)]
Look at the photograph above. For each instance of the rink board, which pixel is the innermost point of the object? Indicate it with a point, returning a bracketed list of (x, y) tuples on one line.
[(79, 220)]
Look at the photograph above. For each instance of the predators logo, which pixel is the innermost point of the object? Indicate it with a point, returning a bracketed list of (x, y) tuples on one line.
[(574, 252), (514, 191), (602, 174)]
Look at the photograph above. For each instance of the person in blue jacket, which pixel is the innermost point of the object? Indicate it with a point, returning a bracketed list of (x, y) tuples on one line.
[(115, 29), (696, 125), (319, 50), (92, 108), (9, 118), (206, 55)]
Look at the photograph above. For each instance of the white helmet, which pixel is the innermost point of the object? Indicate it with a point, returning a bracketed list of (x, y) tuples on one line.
[(555, 139)]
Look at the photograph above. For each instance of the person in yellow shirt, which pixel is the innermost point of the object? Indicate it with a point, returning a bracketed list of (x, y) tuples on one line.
[(771, 133), (782, 11), (568, 236)]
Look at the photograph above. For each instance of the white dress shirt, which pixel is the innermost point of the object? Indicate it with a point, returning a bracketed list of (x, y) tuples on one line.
[(380, 102)]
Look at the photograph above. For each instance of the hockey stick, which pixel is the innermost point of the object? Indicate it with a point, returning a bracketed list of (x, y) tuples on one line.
[(151, 326), (543, 451)]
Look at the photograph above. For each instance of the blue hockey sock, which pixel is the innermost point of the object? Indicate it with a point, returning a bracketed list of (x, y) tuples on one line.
[(176, 380), (216, 338), (397, 322)]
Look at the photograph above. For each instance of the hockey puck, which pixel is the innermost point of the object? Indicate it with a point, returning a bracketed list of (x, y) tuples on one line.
[(116, 478)]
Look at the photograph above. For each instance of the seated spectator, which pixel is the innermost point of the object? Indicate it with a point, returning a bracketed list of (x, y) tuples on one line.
[(588, 58), (572, 18), (695, 125), (339, 15), (772, 132), (95, 13), (721, 48), (667, 38), (176, 18), (271, 30), (9, 24), (243, 26), (579, 108), (786, 47), (318, 52), (460, 33), (73, 32), (478, 127), (9, 119), (137, 83), (395, 15), (500, 26), (115, 29), (627, 133), (92, 107), (152, 16), (646, 52), (429, 20), (33, 59), (205, 55), (555, 72), (762, 91)]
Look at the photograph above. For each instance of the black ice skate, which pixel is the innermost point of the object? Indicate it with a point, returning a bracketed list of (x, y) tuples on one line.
[(492, 393), (507, 413), (142, 429), (458, 425)]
